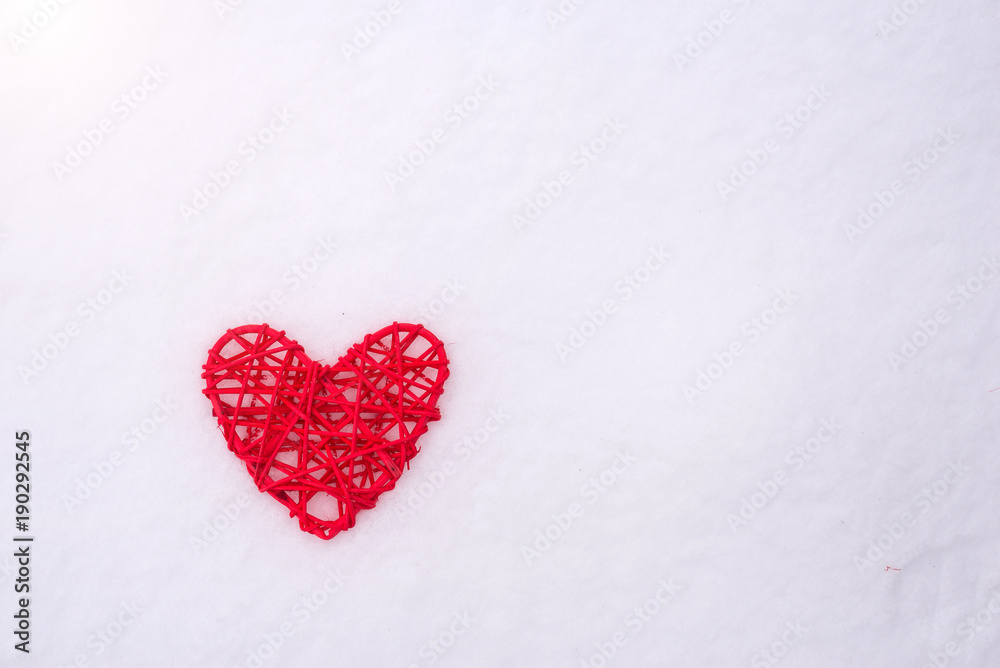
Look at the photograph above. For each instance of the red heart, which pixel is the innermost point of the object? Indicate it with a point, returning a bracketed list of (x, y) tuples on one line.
[(325, 441)]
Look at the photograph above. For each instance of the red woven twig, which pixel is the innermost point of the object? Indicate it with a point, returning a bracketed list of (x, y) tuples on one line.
[(325, 441)]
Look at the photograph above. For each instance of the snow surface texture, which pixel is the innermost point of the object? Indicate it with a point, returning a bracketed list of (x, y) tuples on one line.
[(638, 491)]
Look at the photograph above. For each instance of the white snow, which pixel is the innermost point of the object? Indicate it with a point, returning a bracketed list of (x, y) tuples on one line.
[(662, 341)]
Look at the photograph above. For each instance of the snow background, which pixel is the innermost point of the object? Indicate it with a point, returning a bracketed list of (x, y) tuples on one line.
[(407, 576)]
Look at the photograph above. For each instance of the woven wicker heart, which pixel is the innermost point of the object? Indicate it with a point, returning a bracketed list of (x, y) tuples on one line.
[(325, 441)]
